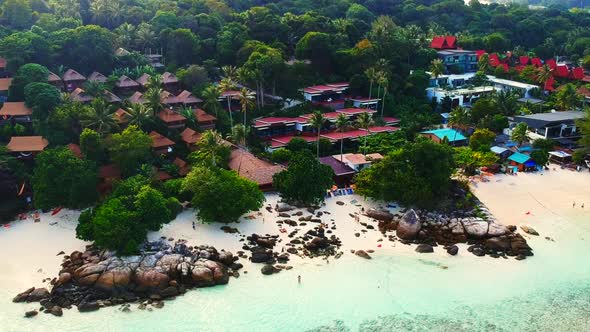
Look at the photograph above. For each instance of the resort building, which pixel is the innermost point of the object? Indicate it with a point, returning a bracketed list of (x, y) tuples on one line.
[(444, 42), (452, 136), (556, 125), (524, 89), (26, 146), (458, 61), (205, 120), (232, 96), (97, 77), (187, 99), (459, 97), (55, 80), (4, 87), (136, 98), (167, 98), (143, 80), (160, 143), (370, 103), (358, 161), (254, 169), (122, 117), (171, 119), (126, 85), (328, 95), (16, 111), (156, 60), (521, 162), (183, 167), (72, 80), (170, 82), (190, 138), (342, 173)]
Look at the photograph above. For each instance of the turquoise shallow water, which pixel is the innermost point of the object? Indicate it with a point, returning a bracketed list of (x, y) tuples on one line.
[(392, 292)]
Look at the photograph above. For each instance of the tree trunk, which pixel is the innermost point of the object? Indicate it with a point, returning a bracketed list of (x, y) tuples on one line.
[(231, 120), (378, 94), (318, 145), (365, 149), (370, 89), (341, 146), (244, 110), (383, 104)]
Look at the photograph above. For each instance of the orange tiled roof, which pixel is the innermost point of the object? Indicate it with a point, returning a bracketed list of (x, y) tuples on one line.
[(5, 83), (159, 141), (169, 78), (203, 116), (168, 116), (17, 108), (190, 136), (27, 144), (252, 168), (72, 75), (126, 82), (75, 148)]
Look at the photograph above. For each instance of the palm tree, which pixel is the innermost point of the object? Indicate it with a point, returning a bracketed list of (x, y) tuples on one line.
[(230, 72), (380, 76), (459, 117), (126, 34), (437, 68), (211, 95), (317, 121), (246, 101), (153, 99), (225, 85), (155, 81), (483, 63), (385, 82), (365, 121), (544, 74), (138, 115), (94, 88), (371, 74), (191, 118), (209, 144), (341, 124), (101, 117), (567, 97), (519, 133), (145, 36), (239, 133), (505, 101)]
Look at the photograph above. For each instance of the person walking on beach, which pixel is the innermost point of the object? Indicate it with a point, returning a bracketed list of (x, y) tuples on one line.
[(574, 205), (299, 279), (194, 225)]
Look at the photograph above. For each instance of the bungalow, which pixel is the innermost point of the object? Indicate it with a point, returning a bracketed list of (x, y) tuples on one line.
[(454, 137), (55, 80), (126, 85), (524, 89), (81, 96), (556, 125), (254, 169), (167, 98), (390, 121), (26, 146), (171, 119), (4, 87), (137, 98), (143, 80), (72, 80), (232, 95), (358, 161), (75, 148), (190, 138), (361, 102), (502, 153), (205, 120), (108, 175), (97, 77), (329, 95), (170, 81), (521, 161), (155, 60), (183, 167), (161, 144), (122, 117), (343, 174), (188, 99), (17, 111)]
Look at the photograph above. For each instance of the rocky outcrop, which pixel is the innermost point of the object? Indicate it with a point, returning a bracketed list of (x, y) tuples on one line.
[(408, 226), (98, 278), (382, 215), (363, 254), (529, 230), (424, 248)]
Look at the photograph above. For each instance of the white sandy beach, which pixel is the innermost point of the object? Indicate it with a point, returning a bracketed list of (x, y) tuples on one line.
[(29, 255)]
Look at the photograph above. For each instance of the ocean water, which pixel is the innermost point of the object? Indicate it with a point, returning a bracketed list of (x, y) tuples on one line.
[(391, 292)]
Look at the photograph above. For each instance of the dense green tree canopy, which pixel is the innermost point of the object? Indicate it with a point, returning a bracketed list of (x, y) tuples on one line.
[(130, 149), (62, 179)]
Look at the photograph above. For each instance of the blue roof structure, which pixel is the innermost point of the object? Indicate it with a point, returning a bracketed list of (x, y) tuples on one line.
[(526, 148), (451, 134), (519, 158), (498, 149)]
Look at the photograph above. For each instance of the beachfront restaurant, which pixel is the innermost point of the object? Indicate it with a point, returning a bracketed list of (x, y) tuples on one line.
[(556, 125), (560, 157), (521, 162)]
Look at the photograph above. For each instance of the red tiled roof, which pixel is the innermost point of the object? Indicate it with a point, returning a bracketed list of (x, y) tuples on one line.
[(53, 77), (111, 97), (494, 60), (284, 140), (328, 116), (230, 93), (110, 171), (168, 116), (561, 71), (354, 111), (121, 116), (5, 83), (388, 119), (536, 62), (169, 78), (451, 41), (204, 117), (80, 95), (577, 73), (137, 98), (186, 97), (159, 141), (126, 82), (27, 144), (551, 63), (143, 79), (523, 60), (479, 53), (75, 148), (2, 62), (190, 136), (268, 121), (168, 98), (183, 167), (163, 176), (252, 168), (72, 75), (17, 108), (98, 77), (438, 42), (549, 84), (336, 136), (584, 91), (382, 129), (328, 88)]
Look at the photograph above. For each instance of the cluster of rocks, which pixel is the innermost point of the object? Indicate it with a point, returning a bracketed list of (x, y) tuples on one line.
[(97, 278), (430, 229)]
